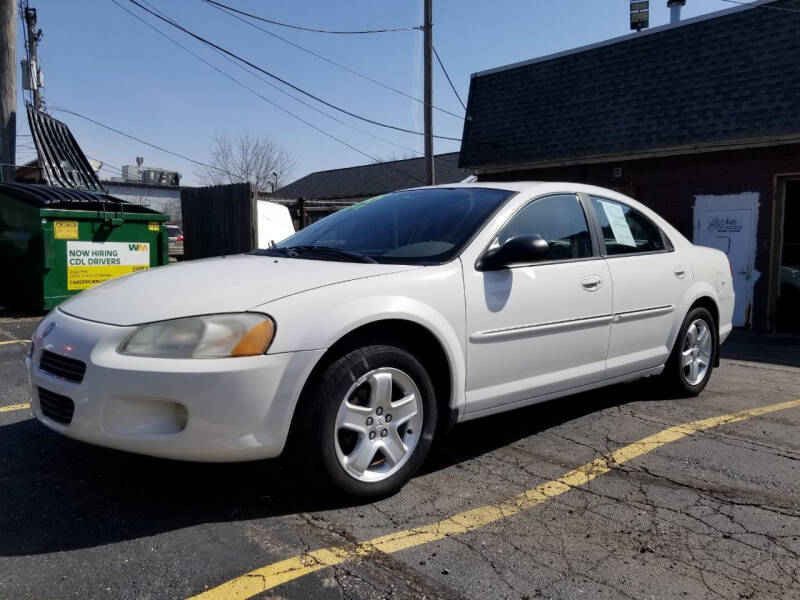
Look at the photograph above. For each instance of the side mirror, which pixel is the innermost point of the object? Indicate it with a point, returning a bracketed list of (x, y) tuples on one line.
[(518, 250)]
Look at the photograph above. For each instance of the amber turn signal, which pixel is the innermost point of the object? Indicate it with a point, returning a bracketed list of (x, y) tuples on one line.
[(256, 341)]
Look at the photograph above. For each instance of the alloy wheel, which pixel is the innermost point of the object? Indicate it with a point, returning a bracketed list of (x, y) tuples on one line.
[(378, 424), (696, 354)]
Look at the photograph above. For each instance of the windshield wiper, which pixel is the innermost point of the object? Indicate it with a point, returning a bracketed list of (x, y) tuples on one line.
[(352, 256), (273, 251)]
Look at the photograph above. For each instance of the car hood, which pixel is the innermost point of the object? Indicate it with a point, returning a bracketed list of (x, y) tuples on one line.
[(225, 284)]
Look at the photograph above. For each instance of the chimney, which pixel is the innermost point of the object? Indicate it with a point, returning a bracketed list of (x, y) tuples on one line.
[(675, 10)]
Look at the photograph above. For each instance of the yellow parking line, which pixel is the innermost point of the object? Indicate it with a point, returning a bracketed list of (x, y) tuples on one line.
[(5, 343), (11, 407), (270, 576)]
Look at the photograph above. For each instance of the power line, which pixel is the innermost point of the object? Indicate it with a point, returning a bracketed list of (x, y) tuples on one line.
[(283, 81), (271, 102), (276, 105), (303, 28), (756, 5), (228, 10), (441, 64), (104, 164), (5, 164), (257, 76), (133, 137)]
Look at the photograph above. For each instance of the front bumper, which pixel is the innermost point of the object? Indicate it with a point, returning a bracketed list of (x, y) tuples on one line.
[(214, 410)]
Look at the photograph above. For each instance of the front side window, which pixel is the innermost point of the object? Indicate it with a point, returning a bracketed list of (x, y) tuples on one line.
[(559, 220), (424, 226), (625, 230)]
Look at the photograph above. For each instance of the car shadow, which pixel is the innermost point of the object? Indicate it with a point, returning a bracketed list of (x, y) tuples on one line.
[(481, 436), (57, 494), (780, 349)]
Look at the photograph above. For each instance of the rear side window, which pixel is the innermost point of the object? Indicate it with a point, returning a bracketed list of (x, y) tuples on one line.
[(559, 220), (626, 230)]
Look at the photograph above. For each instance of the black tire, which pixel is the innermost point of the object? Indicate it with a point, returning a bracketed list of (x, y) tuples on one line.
[(314, 433), (675, 374)]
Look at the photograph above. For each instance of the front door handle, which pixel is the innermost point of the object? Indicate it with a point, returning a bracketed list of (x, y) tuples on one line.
[(592, 283)]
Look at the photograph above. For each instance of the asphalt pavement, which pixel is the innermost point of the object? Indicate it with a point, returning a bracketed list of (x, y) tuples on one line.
[(597, 495)]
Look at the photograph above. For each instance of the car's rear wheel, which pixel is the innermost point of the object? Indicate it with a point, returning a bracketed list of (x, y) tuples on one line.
[(692, 360), (367, 422)]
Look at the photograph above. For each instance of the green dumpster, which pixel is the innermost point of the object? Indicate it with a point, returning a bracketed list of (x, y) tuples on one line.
[(55, 242)]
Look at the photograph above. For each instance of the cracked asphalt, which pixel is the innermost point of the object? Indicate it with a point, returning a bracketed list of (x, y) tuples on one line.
[(713, 515)]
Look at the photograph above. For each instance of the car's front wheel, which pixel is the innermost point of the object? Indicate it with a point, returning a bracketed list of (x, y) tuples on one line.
[(692, 360), (368, 421)]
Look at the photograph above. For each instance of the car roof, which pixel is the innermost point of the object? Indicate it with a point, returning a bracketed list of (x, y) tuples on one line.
[(526, 186), (511, 186), (534, 187)]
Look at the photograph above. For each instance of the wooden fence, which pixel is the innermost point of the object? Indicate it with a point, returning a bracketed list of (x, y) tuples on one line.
[(218, 220)]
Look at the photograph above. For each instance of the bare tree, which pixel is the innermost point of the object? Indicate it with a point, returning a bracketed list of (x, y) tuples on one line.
[(257, 159), (394, 156)]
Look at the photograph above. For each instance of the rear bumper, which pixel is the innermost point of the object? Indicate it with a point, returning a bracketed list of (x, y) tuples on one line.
[(213, 410)]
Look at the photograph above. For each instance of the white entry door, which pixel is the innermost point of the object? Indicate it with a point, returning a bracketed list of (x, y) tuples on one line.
[(728, 223)]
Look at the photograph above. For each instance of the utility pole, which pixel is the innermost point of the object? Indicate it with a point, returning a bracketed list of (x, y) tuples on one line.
[(428, 97), (33, 58), (8, 89)]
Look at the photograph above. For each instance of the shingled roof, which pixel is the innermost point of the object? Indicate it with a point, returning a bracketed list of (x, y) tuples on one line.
[(372, 179), (728, 79)]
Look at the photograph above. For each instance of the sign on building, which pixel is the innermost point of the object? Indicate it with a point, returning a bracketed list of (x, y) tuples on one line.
[(640, 14)]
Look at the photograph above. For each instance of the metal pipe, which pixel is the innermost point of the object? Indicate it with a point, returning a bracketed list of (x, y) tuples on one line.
[(430, 177), (675, 10)]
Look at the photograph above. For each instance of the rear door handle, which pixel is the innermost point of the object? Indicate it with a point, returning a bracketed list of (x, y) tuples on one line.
[(680, 272), (592, 283)]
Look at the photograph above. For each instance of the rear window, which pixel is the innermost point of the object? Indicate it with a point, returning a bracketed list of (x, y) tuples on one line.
[(626, 230), (173, 231)]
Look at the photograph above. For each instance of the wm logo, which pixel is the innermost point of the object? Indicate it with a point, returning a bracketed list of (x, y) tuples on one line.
[(137, 247)]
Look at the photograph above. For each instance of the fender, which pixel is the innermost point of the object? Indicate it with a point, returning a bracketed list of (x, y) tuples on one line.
[(697, 290), (431, 298), (381, 308)]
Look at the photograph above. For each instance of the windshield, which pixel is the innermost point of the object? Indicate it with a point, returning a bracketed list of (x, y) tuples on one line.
[(411, 227)]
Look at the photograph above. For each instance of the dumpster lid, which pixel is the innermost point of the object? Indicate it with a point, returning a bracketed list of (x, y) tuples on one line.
[(60, 157), (47, 196)]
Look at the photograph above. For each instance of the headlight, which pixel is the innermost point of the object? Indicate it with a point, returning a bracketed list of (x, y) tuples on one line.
[(209, 336)]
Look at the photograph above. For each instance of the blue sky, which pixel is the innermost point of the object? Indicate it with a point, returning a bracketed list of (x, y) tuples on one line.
[(101, 62)]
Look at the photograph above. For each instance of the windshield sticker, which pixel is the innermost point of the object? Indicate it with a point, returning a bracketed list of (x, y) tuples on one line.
[(620, 227), (363, 203)]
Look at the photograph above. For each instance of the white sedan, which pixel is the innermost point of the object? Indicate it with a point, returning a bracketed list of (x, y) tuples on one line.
[(360, 338)]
